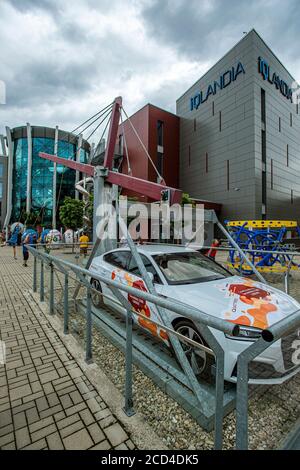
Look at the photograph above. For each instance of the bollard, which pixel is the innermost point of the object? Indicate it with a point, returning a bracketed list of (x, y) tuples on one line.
[(42, 290), (66, 305), (51, 293), (89, 354), (128, 408), (34, 274)]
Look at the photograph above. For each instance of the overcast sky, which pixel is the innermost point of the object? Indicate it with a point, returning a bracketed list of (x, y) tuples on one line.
[(62, 60)]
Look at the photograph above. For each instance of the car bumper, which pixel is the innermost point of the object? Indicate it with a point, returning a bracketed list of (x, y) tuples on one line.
[(277, 364)]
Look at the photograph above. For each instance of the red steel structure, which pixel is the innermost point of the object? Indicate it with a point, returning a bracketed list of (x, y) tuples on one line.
[(138, 185)]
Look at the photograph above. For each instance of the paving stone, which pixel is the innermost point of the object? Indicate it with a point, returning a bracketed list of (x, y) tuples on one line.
[(116, 434), (48, 377), (104, 445), (7, 439), (87, 417), (96, 433), (22, 438), (35, 436), (66, 431), (78, 441), (20, 392), (20, 420), (5, 418), (38, 445), (54, 442)]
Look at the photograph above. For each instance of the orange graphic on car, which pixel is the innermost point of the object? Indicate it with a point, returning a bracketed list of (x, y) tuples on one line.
[(259, 299)]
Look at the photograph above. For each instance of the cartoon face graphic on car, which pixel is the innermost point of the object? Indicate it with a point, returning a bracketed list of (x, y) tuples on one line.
[(259, 299)]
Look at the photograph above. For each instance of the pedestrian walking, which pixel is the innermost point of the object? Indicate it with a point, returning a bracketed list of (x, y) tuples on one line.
[(84, 240), (13, 240)]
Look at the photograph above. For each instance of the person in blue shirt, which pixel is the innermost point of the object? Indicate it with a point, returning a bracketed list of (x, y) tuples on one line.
[(14, 238), (29, 238)]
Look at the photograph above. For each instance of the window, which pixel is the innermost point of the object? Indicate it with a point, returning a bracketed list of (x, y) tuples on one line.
[(291, 119), (133, 268), (118, 258), (279, 125), (227, 175), (272, 173), (213, 108), (160, 163), (160, 133), (189, 268), (1, 190), (263, 105), (220, 121), (1, 170)]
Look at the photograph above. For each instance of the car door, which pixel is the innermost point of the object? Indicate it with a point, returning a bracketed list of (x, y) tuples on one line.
[(114, 267), (147, 309)]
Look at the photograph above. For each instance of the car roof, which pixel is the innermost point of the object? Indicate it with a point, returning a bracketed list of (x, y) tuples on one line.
[(158, 249)]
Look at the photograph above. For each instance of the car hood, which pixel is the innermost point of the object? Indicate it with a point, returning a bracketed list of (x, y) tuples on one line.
[(236, 299)]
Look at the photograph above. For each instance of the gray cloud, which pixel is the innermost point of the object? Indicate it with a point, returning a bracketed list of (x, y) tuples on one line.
[(203, 33)]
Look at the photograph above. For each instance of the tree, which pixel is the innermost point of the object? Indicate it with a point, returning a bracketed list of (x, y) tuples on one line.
[(71, 213)]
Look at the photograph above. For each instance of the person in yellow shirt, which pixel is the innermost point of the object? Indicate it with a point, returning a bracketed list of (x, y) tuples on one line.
[(84, 240)]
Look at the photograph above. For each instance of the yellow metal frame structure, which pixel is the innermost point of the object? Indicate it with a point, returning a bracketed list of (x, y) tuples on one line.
[(263, 223)]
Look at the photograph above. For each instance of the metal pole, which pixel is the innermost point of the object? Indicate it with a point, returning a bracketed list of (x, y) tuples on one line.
[(66, 305), (89, 354), (287, 277), (42, 290), (51, 293), (242, 254), (34, 274), (128, 409), (54, 180)]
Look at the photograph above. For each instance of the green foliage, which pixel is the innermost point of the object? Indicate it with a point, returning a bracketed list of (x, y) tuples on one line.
[(186, 199), (71, 213)]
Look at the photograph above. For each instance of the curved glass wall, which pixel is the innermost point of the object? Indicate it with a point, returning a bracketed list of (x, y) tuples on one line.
[(42, 176)]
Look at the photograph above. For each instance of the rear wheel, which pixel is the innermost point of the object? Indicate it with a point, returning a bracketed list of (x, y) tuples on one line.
[(97, 298), (199, 359)]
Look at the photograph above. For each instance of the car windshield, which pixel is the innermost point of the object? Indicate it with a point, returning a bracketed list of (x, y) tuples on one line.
[(189, 268)]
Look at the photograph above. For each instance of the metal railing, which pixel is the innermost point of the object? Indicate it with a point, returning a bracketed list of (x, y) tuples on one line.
[(203, 321)]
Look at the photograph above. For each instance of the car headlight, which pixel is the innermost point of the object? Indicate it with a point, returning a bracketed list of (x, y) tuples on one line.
[(247, 332)]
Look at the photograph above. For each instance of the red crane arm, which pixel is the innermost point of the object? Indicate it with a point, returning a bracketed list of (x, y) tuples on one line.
[(139, 186)]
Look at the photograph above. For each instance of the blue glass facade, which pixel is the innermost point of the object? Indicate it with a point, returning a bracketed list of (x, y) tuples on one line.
[(42, 172)]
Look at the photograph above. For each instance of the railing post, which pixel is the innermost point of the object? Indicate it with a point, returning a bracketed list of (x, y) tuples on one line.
[(34, 274), (128, 408), (42, 290), (51, 293), (66, 305), (89, 354)]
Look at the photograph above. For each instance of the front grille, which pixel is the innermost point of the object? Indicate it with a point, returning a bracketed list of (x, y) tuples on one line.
[(288, 350)]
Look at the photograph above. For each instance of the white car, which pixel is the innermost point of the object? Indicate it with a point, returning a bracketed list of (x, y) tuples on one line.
[(190, 277)]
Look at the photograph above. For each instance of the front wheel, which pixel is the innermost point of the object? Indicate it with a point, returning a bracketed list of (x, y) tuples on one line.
[(96, 294), (199, 359)]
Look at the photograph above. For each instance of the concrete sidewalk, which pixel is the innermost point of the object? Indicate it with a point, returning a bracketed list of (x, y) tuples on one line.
[(47, 399)]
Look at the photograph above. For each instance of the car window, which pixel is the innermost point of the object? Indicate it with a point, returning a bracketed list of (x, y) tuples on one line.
[(189, 268), (118, 258), (133, 268)]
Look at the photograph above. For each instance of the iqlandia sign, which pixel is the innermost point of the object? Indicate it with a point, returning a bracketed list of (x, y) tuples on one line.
[(224, 81), (274, 79)]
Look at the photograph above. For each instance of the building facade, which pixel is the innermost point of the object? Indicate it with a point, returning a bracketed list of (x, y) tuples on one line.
[(3, 181), (35, 184), (240, 135), (158, 130)]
